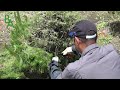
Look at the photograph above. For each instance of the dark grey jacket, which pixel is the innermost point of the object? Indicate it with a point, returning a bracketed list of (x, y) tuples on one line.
[(95, 63)]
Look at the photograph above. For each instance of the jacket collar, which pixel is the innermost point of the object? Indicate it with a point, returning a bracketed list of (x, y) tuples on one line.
[(89, 48)]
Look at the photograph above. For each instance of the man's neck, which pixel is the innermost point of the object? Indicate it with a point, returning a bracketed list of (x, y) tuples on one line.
[(90, 43), (87, 44)]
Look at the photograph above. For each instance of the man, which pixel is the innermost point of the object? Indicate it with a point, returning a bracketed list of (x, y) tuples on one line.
[(95, 62)]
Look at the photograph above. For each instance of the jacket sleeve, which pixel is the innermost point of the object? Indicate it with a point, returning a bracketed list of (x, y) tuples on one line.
[(56, 72), (66, 74)]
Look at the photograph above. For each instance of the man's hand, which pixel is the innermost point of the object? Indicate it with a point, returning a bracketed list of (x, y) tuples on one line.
[(54, 69), (55, 59), (67, 50)]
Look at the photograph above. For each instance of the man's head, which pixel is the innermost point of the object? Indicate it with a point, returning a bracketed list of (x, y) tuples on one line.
[(84, 33)]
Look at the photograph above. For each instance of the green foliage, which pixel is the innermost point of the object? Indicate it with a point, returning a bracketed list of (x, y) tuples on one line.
[(7, 70), (27, 58), (101, 25), (50, 30), (104, 40), (35, 59), (33, 30)]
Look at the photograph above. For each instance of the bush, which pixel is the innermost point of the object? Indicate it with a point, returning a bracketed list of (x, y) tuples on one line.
[(50, 30), (37, 36), (7, 70), (28, 59)]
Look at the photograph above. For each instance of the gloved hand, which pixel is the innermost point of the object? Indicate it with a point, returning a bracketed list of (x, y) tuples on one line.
[(55, 59), (67, 50)]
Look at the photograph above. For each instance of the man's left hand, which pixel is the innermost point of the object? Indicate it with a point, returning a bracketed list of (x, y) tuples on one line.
[(55, 59)]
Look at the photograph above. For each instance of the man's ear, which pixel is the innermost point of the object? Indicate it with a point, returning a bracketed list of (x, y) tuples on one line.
[(77, 39)]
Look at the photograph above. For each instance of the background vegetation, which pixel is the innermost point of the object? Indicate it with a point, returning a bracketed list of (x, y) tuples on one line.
[(34, 37)]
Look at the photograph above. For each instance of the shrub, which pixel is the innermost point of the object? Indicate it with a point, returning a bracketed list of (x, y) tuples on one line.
[(50, 30), (28, 59)]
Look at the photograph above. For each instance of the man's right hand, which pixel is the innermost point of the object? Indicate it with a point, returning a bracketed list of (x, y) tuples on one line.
[(67, 50)]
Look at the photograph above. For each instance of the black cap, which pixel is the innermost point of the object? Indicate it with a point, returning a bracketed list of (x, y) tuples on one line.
[(84, 29)]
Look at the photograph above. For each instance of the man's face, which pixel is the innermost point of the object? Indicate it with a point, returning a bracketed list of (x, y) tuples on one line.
[(76, 43)]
